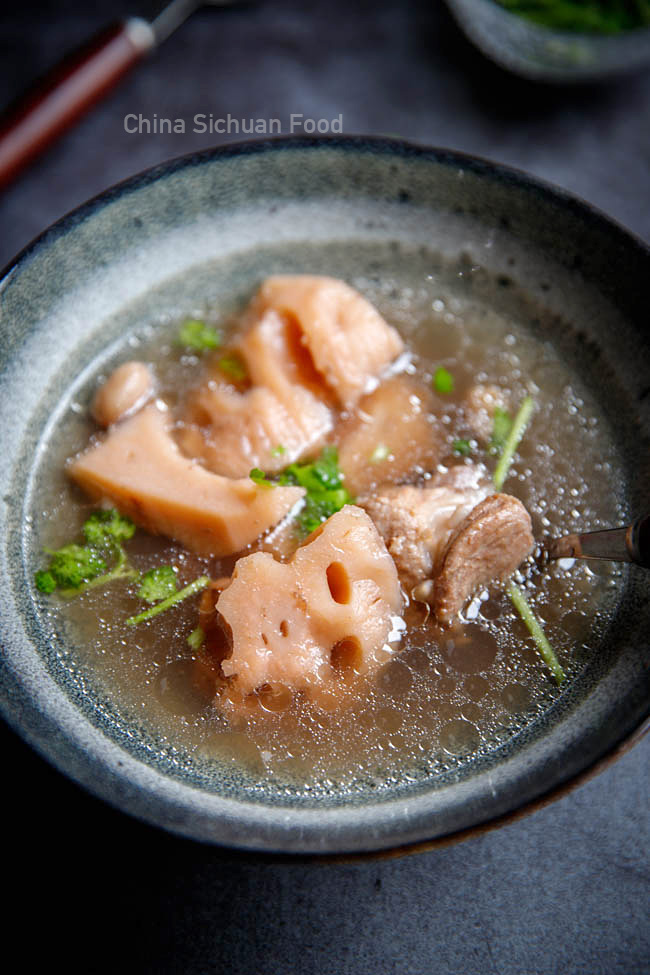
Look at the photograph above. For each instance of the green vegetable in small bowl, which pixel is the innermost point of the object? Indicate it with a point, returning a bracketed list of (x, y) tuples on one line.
[(559, 40), (597, 16)]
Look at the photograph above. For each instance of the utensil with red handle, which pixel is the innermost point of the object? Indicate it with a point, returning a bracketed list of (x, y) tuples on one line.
[(76, 84)]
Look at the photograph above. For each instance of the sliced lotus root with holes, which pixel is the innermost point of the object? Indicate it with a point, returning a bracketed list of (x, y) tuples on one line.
[(349, 343), (296, 625)]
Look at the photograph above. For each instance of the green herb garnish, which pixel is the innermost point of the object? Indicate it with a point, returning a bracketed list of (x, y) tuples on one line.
[(513, 440), (586, 16), (443, 381), (157, 584), (75, 568), (45, 581), (201, 583), (516, 430), (260, 478), (318, 508), (278, 451), (462, 447), (323, 482), (501, 427), (106, 529), (198, 336), (72, 565), (196, 638), (522, 606), (234, 367)]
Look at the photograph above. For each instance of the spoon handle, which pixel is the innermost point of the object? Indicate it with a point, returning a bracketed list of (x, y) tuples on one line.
[(631, 544), (639, 541), (63, 96)]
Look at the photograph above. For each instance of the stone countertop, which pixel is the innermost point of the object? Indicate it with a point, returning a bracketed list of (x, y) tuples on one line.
[(564, 890)]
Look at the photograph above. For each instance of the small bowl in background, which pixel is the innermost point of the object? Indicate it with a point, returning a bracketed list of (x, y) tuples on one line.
[(543, 54)]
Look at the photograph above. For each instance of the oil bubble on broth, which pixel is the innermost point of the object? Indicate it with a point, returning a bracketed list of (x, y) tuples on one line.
[(447, 696)]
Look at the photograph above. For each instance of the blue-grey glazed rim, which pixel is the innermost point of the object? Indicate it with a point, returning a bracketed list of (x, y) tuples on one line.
[(50, 720)]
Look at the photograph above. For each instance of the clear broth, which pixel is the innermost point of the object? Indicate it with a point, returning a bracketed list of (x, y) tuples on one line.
[(447, 696)]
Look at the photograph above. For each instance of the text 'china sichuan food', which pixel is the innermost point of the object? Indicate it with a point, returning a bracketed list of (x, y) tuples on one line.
[(316, 545)]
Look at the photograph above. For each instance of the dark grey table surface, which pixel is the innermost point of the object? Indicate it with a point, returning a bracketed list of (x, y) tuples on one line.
[(564, 890)]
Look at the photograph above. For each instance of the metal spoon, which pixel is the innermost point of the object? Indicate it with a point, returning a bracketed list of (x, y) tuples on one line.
[(631, 544)]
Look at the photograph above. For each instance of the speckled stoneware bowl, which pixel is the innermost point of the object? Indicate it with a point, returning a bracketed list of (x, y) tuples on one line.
[(544, 54), (214, 221)]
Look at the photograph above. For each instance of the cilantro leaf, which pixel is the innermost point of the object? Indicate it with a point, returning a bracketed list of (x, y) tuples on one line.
[(321, 506), (106, 529), (462, 447), (157, 584), (502, 425), (323, 482), (198, 336), (515, 434), (73, 565), (443, 381), (260, 478), (196, 638), (175, 597), (45, 581), (75, 568), (597, 16)]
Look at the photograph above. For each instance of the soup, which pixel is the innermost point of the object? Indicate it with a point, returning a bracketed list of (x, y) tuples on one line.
[(439, 693)]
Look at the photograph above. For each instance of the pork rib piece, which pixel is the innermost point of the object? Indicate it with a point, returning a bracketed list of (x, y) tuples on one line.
[(417, 521), (490, 543)]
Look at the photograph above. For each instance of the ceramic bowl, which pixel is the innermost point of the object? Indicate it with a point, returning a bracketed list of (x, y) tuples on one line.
[(543, 54), (214, 221)]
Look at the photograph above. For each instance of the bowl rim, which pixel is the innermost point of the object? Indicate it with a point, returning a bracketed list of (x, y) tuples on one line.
[(376, 143), (381, 146)]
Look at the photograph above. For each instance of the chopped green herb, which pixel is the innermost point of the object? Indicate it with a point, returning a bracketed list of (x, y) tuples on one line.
[(158, 583), (586, 16), (45, 581), (259, 477), (105, 529), (201, 583), (320, 506), (381, 452), (323, 483), (535, 627), (72, 565), (278, 451), (502, 425), (234, 367), (198, 336), (443, 381), (317, 475), (75, 568), (517, 431), (196, 638), (462, 447)]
